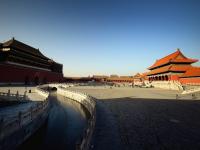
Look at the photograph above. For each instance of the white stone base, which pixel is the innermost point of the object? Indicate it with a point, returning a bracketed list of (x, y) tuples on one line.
[(170, 85)]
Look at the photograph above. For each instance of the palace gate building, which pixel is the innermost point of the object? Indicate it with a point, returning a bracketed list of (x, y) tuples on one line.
[(23, 64)]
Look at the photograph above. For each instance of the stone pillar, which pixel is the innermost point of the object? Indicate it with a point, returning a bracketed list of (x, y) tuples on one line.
[(163, 78), (17, 95), (8, 94), (25, 95), (160, 78)]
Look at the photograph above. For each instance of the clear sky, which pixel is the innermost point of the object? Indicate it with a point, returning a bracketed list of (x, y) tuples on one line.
[(104, 36)]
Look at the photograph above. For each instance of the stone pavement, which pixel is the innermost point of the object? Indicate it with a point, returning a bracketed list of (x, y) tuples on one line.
[(144, 119), (102, 92)]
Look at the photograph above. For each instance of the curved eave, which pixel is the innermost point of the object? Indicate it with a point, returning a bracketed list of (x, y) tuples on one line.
[(189, 61), (172, 58), (157, 73), (166, 72), (184, 61), (24, 47)]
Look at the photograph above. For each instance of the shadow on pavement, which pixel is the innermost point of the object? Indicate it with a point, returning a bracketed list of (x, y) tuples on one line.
[(137, 123)]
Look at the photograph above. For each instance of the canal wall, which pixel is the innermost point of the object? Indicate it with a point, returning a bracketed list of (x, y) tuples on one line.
[(90, 105), (15, 128)]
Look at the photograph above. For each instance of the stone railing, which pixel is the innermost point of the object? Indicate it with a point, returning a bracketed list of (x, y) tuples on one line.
[(189, 91), (188, 96), (171, 85), (42, 92), (90, 105), (178, 84), (65, 85), (13, 97), (15, 128)]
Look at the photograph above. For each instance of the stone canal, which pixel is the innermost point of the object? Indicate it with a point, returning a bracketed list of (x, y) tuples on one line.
[(64, 127)]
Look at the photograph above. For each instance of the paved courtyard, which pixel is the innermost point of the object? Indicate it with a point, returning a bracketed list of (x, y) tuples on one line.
[(136, 118), (105, 92)]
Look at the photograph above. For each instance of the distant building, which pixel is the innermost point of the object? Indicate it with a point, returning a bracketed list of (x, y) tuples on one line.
[(138, 79), (118, 79), (23, 64), (99, 78), (77, 79), (114, 76), (174, 67)]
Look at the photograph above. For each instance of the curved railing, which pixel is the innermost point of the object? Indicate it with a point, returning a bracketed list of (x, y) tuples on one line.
[(42, 92), (90, 105), (194, 90)]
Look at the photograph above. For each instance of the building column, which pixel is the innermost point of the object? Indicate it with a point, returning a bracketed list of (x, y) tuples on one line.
[(163, 78), (159, 78), (166, 77)]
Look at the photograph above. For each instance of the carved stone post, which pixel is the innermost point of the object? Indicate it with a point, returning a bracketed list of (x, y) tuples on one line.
[(25, 95), (8, 93), (17, 95)]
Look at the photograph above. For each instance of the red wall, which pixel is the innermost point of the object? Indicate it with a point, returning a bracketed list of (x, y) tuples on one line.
[(174, 77), (12, 73), (190, 80)]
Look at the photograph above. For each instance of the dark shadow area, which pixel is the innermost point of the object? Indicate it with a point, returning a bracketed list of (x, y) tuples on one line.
[(27, 80), (5, 103), (36, 80), (65, 125), (133, 123)]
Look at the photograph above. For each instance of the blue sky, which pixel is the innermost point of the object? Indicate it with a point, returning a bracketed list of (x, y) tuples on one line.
[(104, 36)]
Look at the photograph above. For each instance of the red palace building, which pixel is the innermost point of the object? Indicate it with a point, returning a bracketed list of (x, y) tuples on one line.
[(176, 68), (23, 64)]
